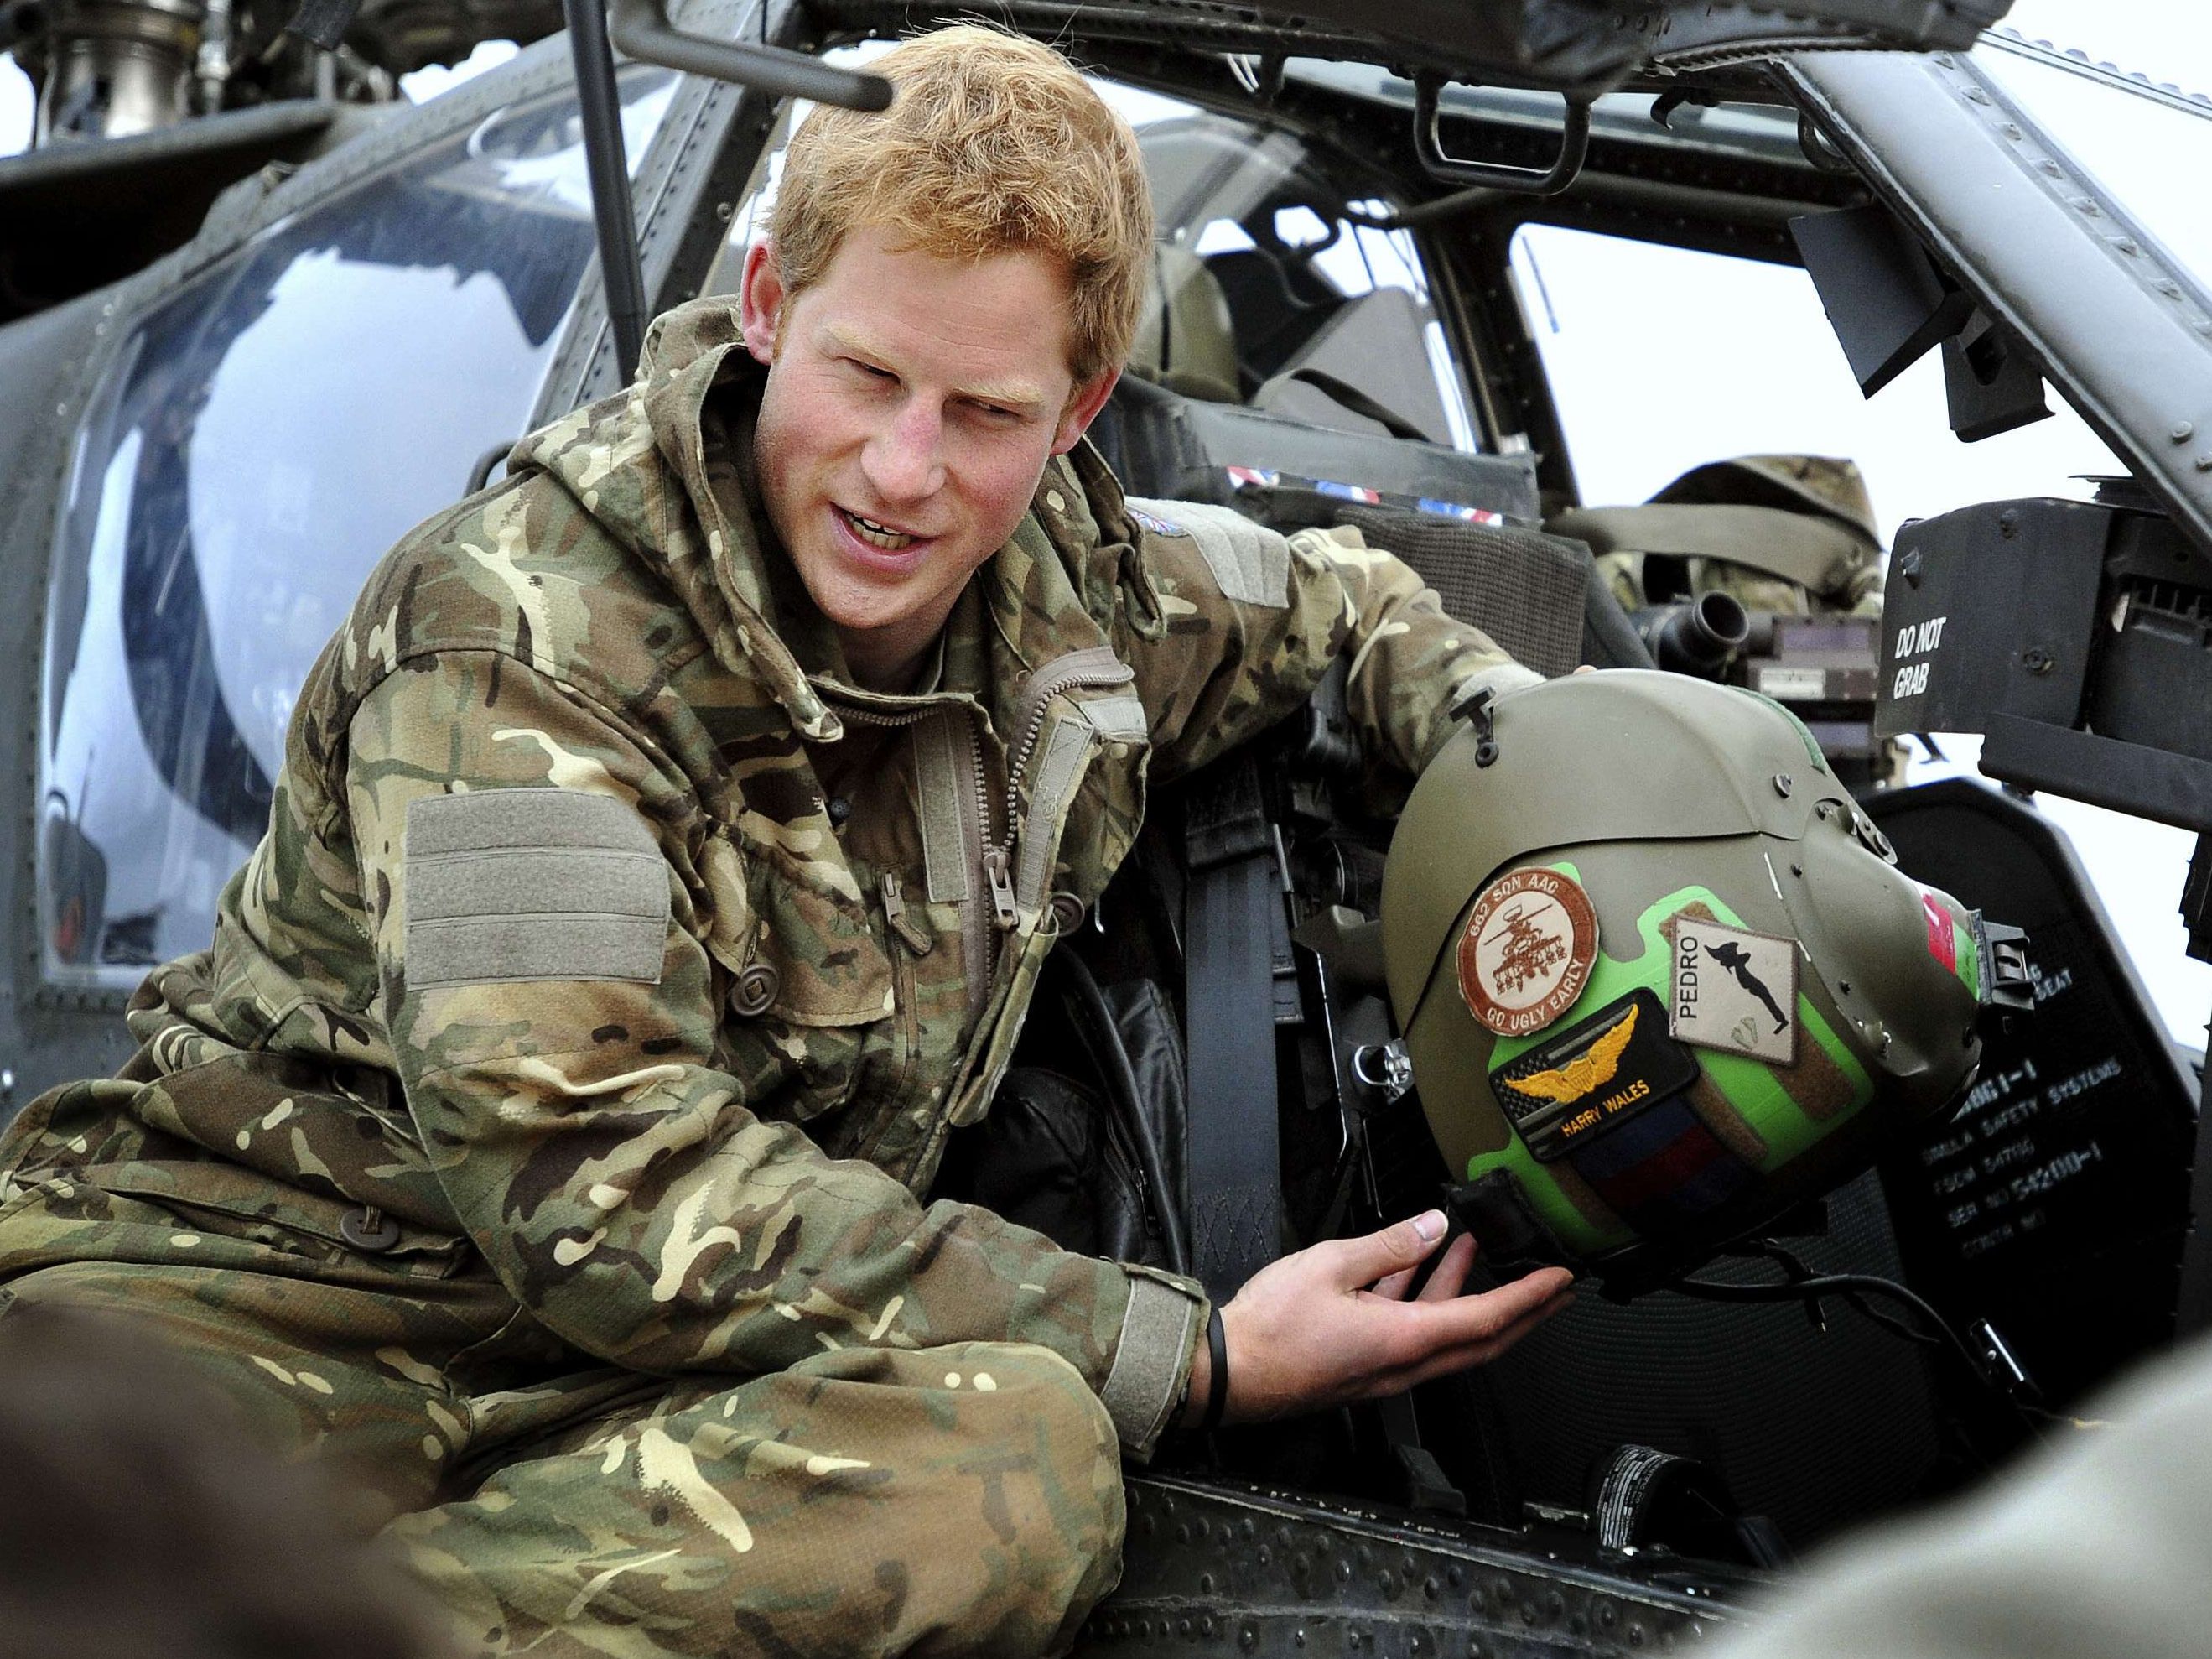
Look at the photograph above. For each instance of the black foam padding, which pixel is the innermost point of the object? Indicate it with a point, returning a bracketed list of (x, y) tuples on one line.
[(1818, 1431)]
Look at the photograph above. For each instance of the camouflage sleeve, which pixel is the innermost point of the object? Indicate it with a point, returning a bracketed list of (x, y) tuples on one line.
[(1252, 622), (553, 1013)]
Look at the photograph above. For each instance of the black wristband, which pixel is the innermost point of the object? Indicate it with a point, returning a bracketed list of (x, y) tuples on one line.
[(1217, 1390)]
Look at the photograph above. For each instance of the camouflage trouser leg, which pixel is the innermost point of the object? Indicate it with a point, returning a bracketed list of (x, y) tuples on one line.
[(340, 1373), (956, 1500)]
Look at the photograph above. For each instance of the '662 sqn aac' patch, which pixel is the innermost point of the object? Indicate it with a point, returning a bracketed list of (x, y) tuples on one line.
[(1734, 990), (1526, 951)]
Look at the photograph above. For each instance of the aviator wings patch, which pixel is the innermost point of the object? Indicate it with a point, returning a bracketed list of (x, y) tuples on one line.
[(1586, 1071), (1599, 1072)]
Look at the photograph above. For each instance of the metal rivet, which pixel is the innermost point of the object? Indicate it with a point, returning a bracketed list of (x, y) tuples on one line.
[(2008, 524), (1784, 783), (2203, 463), (2036, 660), (2011, 129), (2053, 168), (840, 808), (2183, 431)]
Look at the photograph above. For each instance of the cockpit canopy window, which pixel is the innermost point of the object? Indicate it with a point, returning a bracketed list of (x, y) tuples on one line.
[(260, 441), (1266, 290)]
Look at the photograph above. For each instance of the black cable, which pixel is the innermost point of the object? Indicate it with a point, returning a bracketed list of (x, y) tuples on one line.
[(1122, 1080), (1845, 1285), (1428, 213)]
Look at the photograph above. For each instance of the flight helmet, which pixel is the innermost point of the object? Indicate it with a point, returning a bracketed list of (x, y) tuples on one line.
[(1658, 976)]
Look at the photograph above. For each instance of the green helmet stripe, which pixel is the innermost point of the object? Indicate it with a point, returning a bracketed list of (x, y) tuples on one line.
[(1752, 1087), (1967, 957)]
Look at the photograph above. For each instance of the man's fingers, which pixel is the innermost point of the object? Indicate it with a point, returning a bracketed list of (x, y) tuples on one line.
[(1394, 1284), (1481, 1351), (1450, 1275), (1459, 1320), (1403, 1244)]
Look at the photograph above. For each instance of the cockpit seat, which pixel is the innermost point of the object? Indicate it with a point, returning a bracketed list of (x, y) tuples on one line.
[(1788, 534), (1185, 340), (1377, 340)]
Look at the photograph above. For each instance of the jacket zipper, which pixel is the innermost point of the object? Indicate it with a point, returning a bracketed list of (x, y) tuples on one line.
[(1049, 683), (996, 833), (977, 967), (901, 923)]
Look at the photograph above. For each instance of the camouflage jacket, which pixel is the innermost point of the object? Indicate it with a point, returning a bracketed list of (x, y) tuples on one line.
[(595, 937)]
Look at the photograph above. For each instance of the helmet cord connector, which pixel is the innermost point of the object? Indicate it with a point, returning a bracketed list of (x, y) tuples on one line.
[(1925, 1325)]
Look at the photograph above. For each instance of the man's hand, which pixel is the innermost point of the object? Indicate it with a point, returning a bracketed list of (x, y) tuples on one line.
[(1332, 1324)]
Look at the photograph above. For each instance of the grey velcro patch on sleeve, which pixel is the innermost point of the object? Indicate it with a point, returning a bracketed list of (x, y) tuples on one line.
[(1148, 1363), (1252, 564), (507, 885)]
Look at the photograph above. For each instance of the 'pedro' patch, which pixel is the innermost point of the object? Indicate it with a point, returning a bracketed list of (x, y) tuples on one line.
[(1599, 1072), (1526, 951), (1734, 990)]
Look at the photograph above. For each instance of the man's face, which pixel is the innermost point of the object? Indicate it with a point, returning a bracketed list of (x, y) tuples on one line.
[(912, 403)]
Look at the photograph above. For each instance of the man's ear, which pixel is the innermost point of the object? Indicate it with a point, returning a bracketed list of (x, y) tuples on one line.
[(1082, 407), (760, 301)]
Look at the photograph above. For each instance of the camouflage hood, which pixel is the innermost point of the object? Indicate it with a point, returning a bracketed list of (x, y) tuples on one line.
[(639, 464)]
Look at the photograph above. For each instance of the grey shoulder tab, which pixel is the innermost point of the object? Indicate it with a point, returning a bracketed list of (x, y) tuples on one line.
[(1251, 563), (508, 885)]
